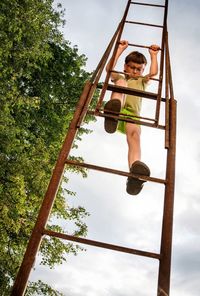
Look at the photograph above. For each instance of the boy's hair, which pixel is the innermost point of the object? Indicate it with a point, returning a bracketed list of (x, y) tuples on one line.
[(136, 57)]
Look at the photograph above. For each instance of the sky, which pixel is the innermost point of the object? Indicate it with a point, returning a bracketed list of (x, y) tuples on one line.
[(116, 217)]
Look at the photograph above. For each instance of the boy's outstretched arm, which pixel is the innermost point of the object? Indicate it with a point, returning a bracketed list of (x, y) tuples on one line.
[(153, 51), (122, 46)]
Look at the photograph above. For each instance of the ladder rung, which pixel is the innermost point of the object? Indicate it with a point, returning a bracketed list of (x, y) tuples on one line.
[(112, 171), (101, 244), (148, 4), (141, 122), (123, 116), (132, 91), (124, 73), (144, 24), (126, 116), (142, 46)]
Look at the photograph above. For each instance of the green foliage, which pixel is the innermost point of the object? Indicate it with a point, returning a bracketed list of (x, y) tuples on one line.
[(39, 288), (41, 78)]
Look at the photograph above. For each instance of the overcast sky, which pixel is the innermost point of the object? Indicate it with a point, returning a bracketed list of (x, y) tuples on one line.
[(115, 217)]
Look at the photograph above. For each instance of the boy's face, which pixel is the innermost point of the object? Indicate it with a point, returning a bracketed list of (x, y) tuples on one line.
[(134, 69)]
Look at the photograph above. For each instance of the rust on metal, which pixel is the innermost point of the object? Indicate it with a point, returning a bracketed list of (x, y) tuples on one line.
[(167, 226), (148, 4), (145, 123), (157, 113), (101, 244), (170, 144), (167, 92), (124, 73), (36, 237), (142, 46), (118, 38), (134, 92), (144, 24), (115, 172), (167, 223)]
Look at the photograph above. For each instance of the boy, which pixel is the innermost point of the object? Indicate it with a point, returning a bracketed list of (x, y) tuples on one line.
[(134, 67)]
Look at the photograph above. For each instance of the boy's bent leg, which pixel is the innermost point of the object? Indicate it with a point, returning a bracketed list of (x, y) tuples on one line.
[(113, 107), (133, 132), (134, 186)]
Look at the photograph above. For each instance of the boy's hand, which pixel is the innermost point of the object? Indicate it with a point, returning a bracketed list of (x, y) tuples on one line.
[(123, 45), (154, 49)]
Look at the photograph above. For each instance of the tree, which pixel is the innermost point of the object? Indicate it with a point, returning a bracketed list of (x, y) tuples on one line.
[(41, 78)]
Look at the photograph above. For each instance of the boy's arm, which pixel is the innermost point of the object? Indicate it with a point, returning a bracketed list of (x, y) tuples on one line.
[(122, 46), (153, 51)]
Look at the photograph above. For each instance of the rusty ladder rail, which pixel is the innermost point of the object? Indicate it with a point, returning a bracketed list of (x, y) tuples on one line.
[(81, 111)]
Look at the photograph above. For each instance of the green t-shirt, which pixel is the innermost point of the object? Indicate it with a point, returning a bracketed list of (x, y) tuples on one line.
[(134, 103)]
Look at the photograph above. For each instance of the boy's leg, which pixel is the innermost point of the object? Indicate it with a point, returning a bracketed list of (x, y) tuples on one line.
[(133, 133), (114, 105), (116, 95)]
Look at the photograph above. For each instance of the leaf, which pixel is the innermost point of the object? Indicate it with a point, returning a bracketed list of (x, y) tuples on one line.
[(41, 79)]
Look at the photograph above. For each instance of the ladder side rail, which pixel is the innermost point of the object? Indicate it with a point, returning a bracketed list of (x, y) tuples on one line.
[(98, 71), (170, 77), (157, 113), (96, 76), (115, 41), (166, 93), (86, 105), (122, 23), (21, 280), (167, 225)]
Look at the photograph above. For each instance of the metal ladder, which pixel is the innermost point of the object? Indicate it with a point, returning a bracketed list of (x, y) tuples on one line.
[(81, 111)]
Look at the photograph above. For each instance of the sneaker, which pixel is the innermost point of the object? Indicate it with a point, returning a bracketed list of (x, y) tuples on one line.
[(133, 185), (110, 124)]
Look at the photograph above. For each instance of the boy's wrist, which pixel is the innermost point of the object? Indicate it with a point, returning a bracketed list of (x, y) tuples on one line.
[(153, 55)]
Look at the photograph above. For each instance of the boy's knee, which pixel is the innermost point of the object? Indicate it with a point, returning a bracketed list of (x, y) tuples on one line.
[(133, 129), (121, 82), (133, 134)]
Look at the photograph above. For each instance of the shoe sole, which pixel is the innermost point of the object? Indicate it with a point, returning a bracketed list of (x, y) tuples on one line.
[(140, 168), (134, 186), (112, 106)]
